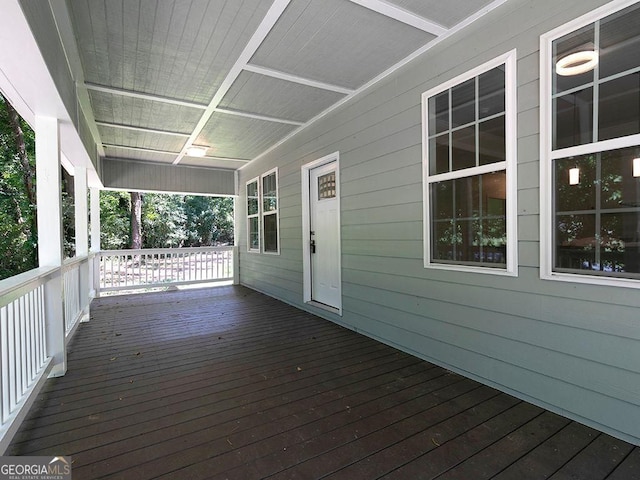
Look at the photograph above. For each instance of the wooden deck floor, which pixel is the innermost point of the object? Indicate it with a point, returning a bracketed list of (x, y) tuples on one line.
[(228, 383)]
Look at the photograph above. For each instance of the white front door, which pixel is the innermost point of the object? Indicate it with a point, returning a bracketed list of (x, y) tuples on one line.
[(324, 235)]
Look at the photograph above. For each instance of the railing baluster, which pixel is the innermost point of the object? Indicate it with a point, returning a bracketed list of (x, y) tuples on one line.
[(4, 338)]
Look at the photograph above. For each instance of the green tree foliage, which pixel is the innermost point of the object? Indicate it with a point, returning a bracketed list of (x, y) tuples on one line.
[(18, 235), (114, 220), (168, 221)]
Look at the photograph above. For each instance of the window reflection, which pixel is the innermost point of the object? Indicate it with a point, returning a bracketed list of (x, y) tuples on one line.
[(597, 221), (469, 220)]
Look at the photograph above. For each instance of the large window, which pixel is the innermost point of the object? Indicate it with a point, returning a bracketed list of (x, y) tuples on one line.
[(590, 127), (270, 212), (253, 216), (469, 170)]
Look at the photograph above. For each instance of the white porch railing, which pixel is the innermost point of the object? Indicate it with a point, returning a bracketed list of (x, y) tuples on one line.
[(132, 269), (26, 329), (75, 282), (25, 362)]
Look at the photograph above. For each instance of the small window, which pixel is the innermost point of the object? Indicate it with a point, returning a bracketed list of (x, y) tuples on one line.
[(591, 87), (469, 165), (327, 186), (253, 216), (270, 212)]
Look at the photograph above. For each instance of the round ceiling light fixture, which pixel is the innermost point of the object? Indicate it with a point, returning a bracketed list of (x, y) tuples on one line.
[(577, 63), (196, 151)]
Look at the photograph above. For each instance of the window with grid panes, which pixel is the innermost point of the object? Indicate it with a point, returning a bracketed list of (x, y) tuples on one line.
[(270, 212), (467, 163), (253, 216), (594, 146)]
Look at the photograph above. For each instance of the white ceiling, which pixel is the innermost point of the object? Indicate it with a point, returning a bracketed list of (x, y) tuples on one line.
[(237, 76)]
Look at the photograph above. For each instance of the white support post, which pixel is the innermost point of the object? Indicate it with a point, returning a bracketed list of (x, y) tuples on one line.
[(95, 220), (81, 204), (236, 223), (81, 211), (49, 204), (95, 242)]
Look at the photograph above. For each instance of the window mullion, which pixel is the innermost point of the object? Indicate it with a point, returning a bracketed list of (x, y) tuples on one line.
[(450, 133), (477, 114), (596, 84)]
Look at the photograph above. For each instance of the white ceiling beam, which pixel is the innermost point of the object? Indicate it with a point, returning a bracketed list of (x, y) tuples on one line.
[(140, 129), (66, 33), (296, 79), (269, 20), (165, 152), (401, 15), (257, 117), (143, 96)]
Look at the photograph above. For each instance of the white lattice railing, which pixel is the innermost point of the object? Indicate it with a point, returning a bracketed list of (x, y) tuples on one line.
[(132, 269)]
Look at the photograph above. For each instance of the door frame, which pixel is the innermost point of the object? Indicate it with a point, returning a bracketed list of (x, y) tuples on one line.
[(306, 230)]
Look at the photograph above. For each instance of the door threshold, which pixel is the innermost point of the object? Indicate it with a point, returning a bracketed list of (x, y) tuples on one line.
[(326, 307)]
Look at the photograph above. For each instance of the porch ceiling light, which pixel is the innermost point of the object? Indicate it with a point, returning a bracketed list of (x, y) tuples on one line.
[(636, 167), (577, 63), (574, 176), (196, 151)]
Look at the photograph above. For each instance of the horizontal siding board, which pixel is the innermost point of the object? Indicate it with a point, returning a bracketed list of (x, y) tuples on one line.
[(529, 150), (528, 228), (383, 231), (588, 315), (399, 213), (383, 197), (528, 201), (383, 248), (558, 343), (528, 173)]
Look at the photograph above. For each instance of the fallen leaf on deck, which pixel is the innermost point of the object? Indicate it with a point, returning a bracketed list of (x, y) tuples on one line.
[(113, 358), (299, 369), (435, 443)]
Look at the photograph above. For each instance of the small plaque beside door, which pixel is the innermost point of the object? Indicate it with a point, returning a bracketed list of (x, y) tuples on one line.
[(327, 186)]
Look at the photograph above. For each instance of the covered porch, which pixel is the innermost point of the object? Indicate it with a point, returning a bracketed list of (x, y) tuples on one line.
[(230, 383)]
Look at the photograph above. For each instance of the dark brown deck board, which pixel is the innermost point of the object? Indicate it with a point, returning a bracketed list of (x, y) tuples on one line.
[(229, 383)]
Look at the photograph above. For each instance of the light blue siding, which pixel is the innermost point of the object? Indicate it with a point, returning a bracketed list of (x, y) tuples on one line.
[(569, 347)]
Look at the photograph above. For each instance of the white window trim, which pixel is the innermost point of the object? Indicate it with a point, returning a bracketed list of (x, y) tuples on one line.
[(257, 215), (547, 155), (273, 212), (509, 166)]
